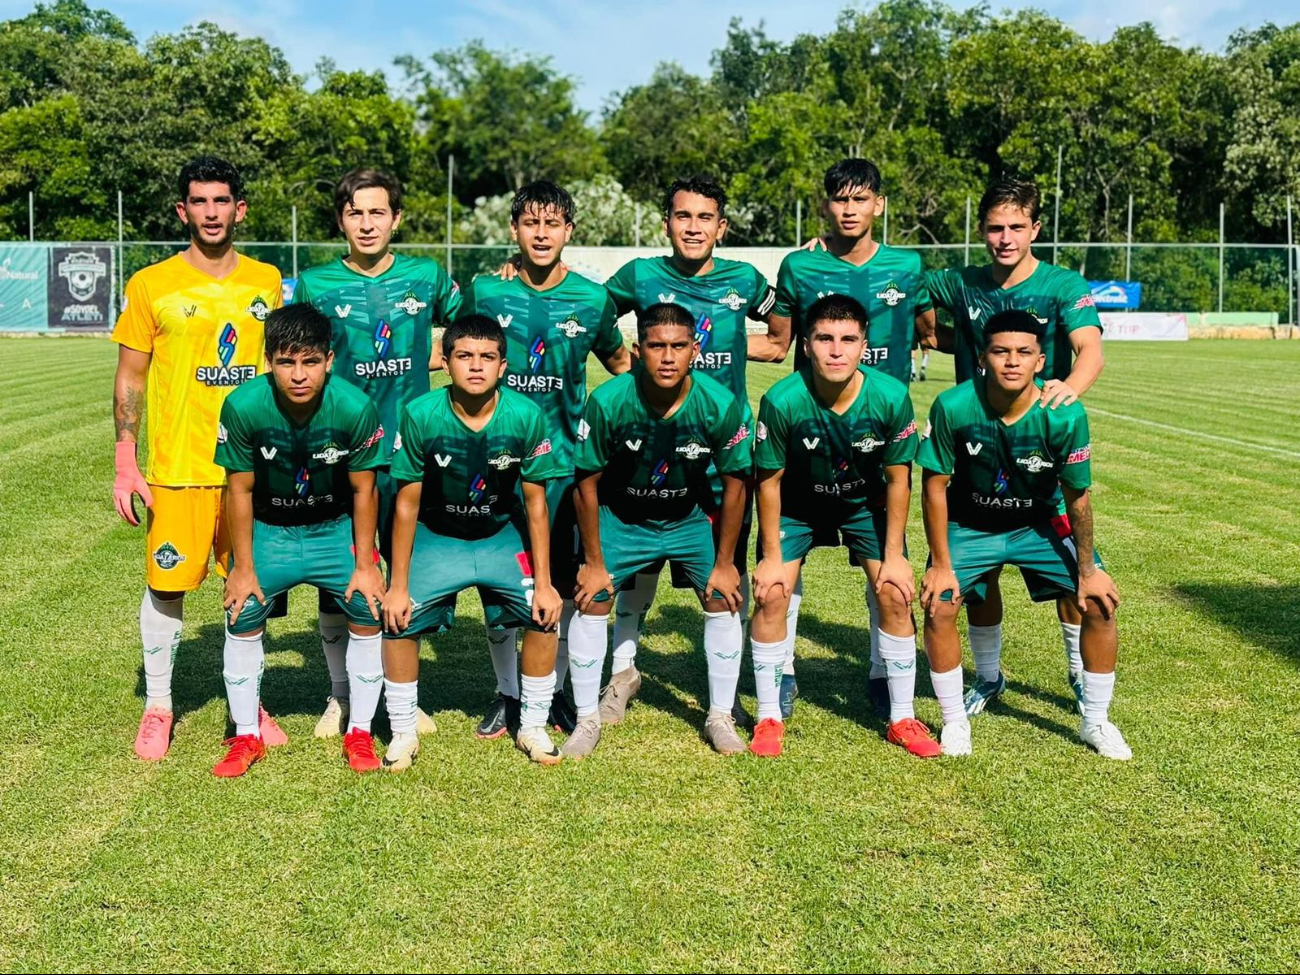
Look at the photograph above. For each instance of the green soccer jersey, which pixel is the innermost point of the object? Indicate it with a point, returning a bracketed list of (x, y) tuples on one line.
[(720, 301), (382, 326), (834, 464), (1056, 296), (549, 335), (1004, 477), (300, 471), (470, 477), (655, 470), (890, 286)]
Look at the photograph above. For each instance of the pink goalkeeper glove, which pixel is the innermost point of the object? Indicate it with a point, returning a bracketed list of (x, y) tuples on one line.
[(128, 482)]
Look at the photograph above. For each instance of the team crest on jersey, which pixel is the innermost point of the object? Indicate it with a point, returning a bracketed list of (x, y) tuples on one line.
[(477, 489), (536, 352), (571, 327), (703, 331), (584, 429), (166, 556), (760, 433), (660, 474), (732, 299), (302, 482), (1034, 311), (259, 309), (1035, 463), (397, 440), (383, 339), (891, 295), (693, 450), (503, 461), (331, 454), (410, 304), (867, 444)]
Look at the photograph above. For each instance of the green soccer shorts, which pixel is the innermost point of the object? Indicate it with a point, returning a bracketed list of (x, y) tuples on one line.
[(686, 545), (862, 532), (1044, 554), (318, 555), (741, 559)]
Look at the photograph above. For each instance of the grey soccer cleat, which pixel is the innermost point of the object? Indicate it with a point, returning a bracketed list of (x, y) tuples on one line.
[(618, 694), (585, 738), (720, 732)]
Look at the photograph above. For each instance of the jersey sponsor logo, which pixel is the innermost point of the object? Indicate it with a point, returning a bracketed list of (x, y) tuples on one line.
[(442, 460), (410, 304), (892, 295), (732, 299), (534, 384), (222, 434), (584, 429), (738, 437), (226, 343), (544, 447), (660, 474), (503, 461), (634, 444), (331, 453), (1001, 483), (1087, 301), (374, 438), (971, 448), (302, 482), (1035, 463), (477, 488), (225, 374), (841, 469), (343, 311), (166, 556), (536, 353), (1080, 454), (571, 327), (869, 443), (505, 320), (268, 452), (703, 332), (693, 450), (812, 444), (984, 501), (761, 433), (873, 357), (973, 312), (190, 310), (667, 299), (383, 339), (259, 309), (382, 368), (906, 432)]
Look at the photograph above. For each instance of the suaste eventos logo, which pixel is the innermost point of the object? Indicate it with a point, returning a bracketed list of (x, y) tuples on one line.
[(225, 374)]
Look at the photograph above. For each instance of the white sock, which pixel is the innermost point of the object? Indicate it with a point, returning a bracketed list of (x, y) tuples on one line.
[(791, 623), (160, 633), (723, 647), (502, 645), (365, 665), (562, 645), (873, 634), (334, 643), (925, 359), (588, 641), (630, 609), (986, 648), (535, 699), (400, 698), (899, 654), (241, 668), (1097, 692), (769, 659), (1070, 637), (948, 689)]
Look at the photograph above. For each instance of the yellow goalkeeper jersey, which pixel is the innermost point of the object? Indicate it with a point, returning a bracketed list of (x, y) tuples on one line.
[(205, 336)]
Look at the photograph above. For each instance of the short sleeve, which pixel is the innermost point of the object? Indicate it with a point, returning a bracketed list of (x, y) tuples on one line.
[(446, 300), (786, 297), (1073, 441), (234, 443), (1078, 307), (277, 293), (762, 297), (367, 449), (934, 453), (608, 337), (733, 441), (622, 288), (901, 448), (943, 288), (301, 295), (592, 453), (407, 463), (539, 462), (924, 300), (770, 437), (136, 325)]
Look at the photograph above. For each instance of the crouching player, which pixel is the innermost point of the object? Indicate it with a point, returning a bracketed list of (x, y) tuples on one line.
[(834, 460), (993, 460), (460, 456), (300, 453), (645, 445)]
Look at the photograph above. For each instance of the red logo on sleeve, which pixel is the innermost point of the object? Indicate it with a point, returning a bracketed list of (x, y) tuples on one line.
[(542, 448), (1080, 455), (906, 432)]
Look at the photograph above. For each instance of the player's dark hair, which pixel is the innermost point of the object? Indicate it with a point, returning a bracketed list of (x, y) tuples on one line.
[(209, 169), (297, 328), (662, 313), (1012, 191), (851, 174), (541, 195), (835, 308), (1013, 320), (473, 327), (345, 192), (705, 186)]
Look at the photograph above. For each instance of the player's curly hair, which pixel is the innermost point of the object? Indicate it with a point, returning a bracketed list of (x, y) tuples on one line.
[(209, 169), (705, 186), (541, 195), (345, 191), (297, 328), (1012, 191)]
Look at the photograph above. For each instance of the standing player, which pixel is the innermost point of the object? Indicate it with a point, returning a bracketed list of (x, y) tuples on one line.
[(463, 522), (647, 444), (1062, 303), (890, 284), (833, 439), (300, 452), (553, 319), (383, 307), (996, 465), (189, 333)]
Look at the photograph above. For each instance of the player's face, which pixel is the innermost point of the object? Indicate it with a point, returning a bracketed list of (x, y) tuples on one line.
[(300, 375), (694, 226), (851, 211), (476, 366), (369, 222), (210, 212), (541, 235), (667, 352), (1013, 359), (1008, 232), (835, 349)]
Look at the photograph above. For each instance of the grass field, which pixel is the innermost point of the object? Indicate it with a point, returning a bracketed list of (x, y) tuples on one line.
[(845, 854)]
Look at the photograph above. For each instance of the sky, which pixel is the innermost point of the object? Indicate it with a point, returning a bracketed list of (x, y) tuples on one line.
[(607, 46)]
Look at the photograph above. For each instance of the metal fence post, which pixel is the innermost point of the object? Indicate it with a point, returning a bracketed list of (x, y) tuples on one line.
[(1290, 267), (798, 223), (966, 261), (636, 227), (121, 270), (1056, 219), (31, 215), (451, 166), (884, 234), (294, 224), (1128, 250), (1221, 248)]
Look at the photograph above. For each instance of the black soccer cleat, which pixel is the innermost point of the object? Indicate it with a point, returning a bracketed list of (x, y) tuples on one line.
[(562, 717), (502, 716)]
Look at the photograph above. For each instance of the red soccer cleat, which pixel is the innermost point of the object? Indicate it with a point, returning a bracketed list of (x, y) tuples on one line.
[(359, 750), (767, 738), (155, 734), (272, 736), (244, 751), (914, 736)]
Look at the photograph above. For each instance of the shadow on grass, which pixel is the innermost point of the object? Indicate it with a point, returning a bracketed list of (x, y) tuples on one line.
[(1266, 616)]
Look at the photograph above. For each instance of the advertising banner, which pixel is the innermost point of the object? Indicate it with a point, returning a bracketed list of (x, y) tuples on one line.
[(23, 273), (80, 288), (1144, 326)]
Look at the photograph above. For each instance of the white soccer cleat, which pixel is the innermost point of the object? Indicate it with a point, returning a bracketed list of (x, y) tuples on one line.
[(424, 725), (954, 738), (537, 745), (401, 752), (1106, 739), (335, 719)]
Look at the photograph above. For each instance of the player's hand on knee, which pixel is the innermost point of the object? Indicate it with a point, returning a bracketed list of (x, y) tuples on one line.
[(397, 609), (768, 581), (369, 582), (934, 584), (725, 579), (128, 482), (546, 605), (1098, 586), (592, 579), (896, 571), (240, 585)]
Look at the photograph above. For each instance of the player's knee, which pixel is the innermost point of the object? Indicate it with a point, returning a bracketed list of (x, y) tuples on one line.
[(891, 602), (356, 630), (943, 614), (1097, 615), (595, 608), (715, 605)]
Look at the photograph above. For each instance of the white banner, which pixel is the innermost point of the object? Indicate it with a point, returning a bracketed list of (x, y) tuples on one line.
[(1144, 326)]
